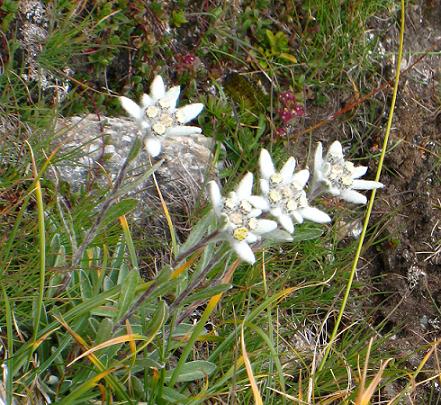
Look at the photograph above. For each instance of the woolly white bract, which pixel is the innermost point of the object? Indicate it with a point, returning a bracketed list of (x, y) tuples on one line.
[(340, 176), (239, 213), (285, 193), (158, 116)]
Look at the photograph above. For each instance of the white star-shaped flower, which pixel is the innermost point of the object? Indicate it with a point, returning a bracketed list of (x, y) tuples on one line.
[(341, 176), (285, 193), (239, 213), (158, 114)]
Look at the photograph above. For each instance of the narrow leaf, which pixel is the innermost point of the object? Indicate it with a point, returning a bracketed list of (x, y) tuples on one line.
[(206, 293), (128, 291), (193, 370), (198, 231), (171, 396), (119, 209)]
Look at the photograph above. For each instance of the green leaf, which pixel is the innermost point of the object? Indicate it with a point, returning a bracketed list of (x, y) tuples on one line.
[(193, 370), (137, 181), (183, 329), (217, 12), (56, 279), (271, 39), (118, 255), (142, 364), (85, 285), (199, 230), (54, 246), (121, 208), (134, 150), (178, 18), (261, 127), (104, 331), (107, 283), (303, 233), (206, 293), (122, 274), (158, 319), (281, 41), (288, 57), (279, 235), (138, 386), (128, 290), (171, 396)]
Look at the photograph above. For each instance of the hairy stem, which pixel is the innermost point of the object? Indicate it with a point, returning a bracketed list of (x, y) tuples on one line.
[(197, 281), (209, 238)]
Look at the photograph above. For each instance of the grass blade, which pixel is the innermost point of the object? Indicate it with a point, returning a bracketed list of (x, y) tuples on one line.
[(42, 243), (256, 393)]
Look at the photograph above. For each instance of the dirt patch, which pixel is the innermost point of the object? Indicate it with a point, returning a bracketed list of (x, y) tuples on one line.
[(409, 262), (403, 273), (405, 270)]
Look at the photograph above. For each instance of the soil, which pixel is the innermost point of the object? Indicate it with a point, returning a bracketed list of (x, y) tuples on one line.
[(407, 267)]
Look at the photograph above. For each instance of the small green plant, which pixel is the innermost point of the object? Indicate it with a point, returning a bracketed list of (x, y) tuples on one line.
[(278, 47)]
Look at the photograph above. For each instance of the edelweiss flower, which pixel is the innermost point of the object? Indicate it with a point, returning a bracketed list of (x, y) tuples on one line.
[(341, 176), (239, 211), (158, 114), (285, 195)]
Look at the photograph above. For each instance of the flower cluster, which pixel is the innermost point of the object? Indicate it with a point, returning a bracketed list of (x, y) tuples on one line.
[(158, 116), (339, 177), (239, 213), (285, 193), (187, 63), (289, 110), (283, 196)]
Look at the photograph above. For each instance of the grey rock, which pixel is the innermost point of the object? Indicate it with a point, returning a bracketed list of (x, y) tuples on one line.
[(94, 149), (32, 35)]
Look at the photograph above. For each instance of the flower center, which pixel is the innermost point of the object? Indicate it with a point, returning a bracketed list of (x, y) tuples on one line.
[(245, 206), (297, 201), (152, 111), (159, 128), (160, 117), (229, 203), (287, 197), (240, 233), (236, 218), (274, 196), (287, 192), (340, 174), (276, 178), (252, 223)]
